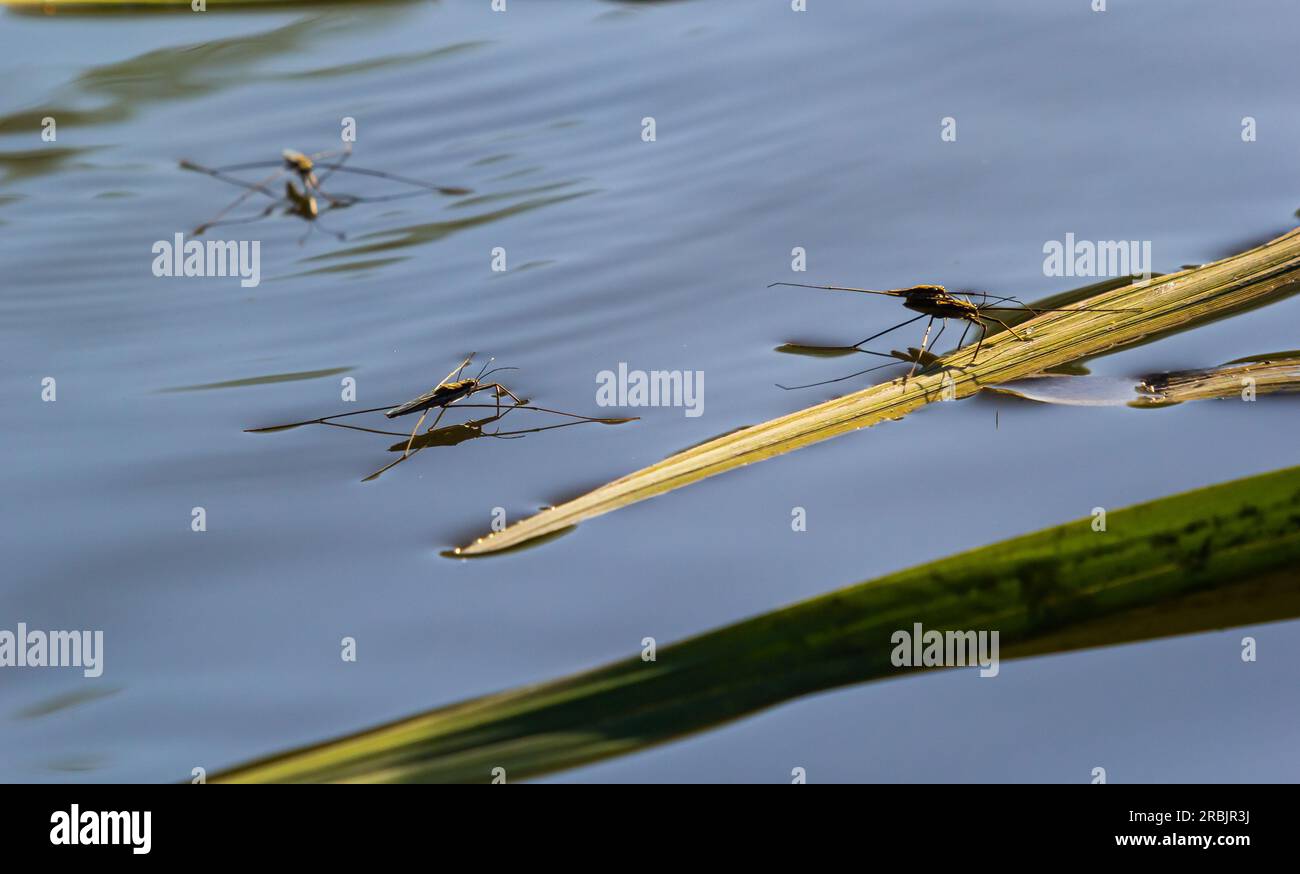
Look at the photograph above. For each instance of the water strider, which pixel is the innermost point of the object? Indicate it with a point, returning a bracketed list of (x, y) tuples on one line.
[(451, 389), (304, 202), (937, 302), (448, 391)]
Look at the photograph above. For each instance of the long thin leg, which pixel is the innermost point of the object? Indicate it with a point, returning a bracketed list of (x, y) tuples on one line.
[(514, 435), (338, 235), (437, 418), (217, 174), (984, 330), (921, 354), (366, 430), (323, 420), (408, 453), (341, 201), (387, 467), (525, 406), (502, 390), (415, 431), (935, 344), (965, 331), (887, 330), (406, 180), (203, 228), (251, 165), (1008, 327), (837, 379), (459, 370), (347, 153), (252, 189)]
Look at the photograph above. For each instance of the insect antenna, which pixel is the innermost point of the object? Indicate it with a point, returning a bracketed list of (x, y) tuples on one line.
[(484, 368), (897, 292), (483, 376)]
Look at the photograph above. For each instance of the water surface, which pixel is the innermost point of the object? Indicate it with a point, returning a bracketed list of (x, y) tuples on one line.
[(775, 130)]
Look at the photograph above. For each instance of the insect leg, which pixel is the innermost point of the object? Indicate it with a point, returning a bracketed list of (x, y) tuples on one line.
[(887, 330), (502, 390), (451, 191), (984, 330), (387, 467), (218, 174), (921, 353), (942, 324), (438, 418), (202, 229), (965, 331), (415, 431), (1008, 327), (837, 379), (252, 189), (347, 153)]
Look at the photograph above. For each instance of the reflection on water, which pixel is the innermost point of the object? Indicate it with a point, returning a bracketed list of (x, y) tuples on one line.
[(615, 249), (311, 172), (448, 435)]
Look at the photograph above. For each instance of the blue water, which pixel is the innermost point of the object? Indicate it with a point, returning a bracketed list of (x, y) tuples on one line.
[(774, 129)]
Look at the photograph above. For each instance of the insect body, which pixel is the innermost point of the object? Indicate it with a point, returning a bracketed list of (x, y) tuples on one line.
[(301, 203), (445, 393), (934, 300), (451, 389), (937, 302), (303, 165)]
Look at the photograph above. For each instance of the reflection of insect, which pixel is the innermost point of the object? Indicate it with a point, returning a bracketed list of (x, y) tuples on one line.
[(451, 389), (936, 302), (303, 202)]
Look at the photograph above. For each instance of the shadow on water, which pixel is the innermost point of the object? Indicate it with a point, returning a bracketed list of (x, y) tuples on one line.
[(258, 380)]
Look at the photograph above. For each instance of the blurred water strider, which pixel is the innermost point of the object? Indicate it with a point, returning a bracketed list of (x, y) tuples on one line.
[(304, 202)]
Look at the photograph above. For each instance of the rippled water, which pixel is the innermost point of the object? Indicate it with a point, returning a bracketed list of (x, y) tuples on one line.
[(774, 130)]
